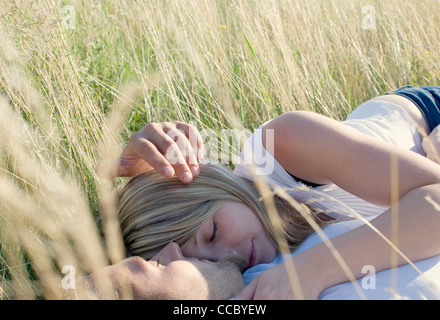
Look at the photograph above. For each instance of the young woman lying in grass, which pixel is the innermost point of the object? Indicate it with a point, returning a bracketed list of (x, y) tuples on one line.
[(348, 167)]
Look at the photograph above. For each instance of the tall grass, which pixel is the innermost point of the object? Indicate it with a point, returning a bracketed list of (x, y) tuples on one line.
[(74, 83)]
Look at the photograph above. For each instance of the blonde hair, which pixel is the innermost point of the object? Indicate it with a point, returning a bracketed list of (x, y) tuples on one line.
[(154, 210)]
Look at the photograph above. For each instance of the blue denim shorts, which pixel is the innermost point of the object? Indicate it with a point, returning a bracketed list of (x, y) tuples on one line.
[(427, 99)]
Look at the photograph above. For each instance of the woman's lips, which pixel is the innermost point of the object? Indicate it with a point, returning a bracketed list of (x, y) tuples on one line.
[(252, 257)]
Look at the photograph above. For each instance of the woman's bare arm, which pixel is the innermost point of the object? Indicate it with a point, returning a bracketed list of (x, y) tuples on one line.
[(417, 225), (321, 150)]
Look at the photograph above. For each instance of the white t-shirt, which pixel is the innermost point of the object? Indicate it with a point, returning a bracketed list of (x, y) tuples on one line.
[(383, 120)]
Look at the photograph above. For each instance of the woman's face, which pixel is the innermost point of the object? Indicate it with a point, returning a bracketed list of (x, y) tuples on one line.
[(234, 229)]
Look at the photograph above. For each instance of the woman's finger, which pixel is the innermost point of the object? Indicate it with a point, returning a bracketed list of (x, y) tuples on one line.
[(186, 157), (147, 151), (194, 137), (173, 145)]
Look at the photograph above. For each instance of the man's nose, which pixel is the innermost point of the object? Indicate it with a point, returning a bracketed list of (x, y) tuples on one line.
[(171, 252)]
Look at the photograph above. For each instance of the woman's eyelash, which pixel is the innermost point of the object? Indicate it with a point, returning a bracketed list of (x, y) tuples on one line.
[(214, 232)]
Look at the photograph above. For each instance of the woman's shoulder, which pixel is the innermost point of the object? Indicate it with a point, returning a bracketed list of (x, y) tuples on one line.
[(258, 161)]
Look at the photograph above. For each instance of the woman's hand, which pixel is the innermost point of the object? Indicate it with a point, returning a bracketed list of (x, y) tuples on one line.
[(168, 147)]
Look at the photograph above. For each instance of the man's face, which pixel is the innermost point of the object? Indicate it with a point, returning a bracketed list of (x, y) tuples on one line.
[(169, 275)]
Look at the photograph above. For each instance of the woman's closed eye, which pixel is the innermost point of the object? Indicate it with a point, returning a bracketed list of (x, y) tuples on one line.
[(214, 232)]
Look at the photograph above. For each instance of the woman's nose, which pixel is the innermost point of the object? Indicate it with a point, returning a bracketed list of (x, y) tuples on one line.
[(171, 252), (219, 253), (229, 252)]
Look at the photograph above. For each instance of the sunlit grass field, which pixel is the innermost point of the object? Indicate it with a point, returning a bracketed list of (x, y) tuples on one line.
[(77, 77)]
